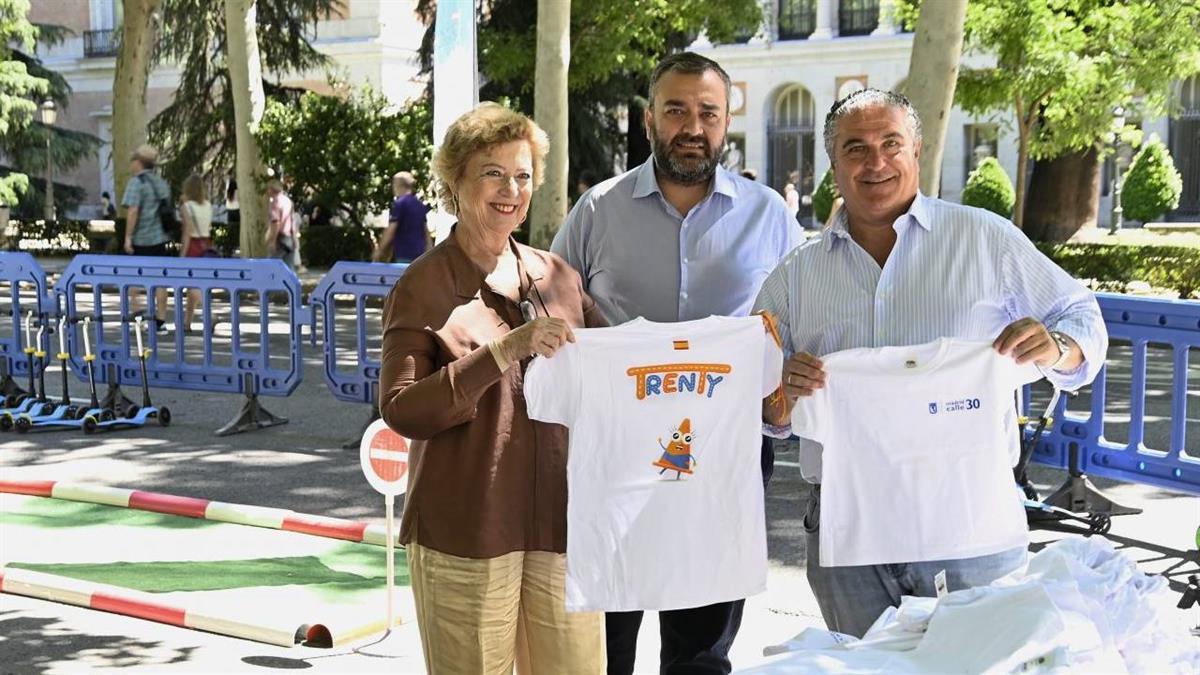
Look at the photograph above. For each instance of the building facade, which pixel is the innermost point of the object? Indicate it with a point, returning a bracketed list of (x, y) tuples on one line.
[(809, 53), (371, 42)]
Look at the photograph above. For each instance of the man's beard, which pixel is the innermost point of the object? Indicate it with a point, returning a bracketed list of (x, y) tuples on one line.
[(689, 170)]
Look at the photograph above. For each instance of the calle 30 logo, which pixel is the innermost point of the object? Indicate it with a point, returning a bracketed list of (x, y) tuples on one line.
[(956, 405)]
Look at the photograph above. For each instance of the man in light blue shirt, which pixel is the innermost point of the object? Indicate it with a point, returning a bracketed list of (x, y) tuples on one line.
[(679, 238), (898, 268)]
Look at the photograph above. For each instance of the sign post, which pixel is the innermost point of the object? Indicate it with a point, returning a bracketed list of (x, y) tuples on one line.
[(383, 455)]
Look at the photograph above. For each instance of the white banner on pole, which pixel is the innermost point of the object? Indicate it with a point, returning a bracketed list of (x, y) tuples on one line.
[(455, 77), (455, 64)]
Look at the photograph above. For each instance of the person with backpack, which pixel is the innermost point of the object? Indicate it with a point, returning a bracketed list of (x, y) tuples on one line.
[(147, 201)]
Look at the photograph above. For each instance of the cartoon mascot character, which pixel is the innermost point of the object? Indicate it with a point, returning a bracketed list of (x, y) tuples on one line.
[(677, 455)]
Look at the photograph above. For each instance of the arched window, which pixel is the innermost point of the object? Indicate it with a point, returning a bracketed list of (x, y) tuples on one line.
[(790, 140), (1189, 95), (794, 108), (1185, 149)]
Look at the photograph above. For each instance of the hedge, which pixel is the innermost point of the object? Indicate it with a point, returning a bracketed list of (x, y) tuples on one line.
[(53, 237), (1111, 267), (324, 245), (823, 196), (1153, 186), (988, 187)]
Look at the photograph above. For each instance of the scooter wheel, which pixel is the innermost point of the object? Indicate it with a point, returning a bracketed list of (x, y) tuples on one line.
[(131, 411), (49, 409), (6, 422), (107, 415), (81, 413), (89, 425), (164, 416), (1099, 523), (23, 425)]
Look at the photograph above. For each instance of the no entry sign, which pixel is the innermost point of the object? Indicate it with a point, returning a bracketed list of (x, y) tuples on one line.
[(383, 455)]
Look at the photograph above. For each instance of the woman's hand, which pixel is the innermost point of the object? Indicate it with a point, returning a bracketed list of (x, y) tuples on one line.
[(544, 335)]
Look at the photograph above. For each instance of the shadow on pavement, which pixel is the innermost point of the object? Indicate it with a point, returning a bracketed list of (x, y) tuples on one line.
[(34, 645)]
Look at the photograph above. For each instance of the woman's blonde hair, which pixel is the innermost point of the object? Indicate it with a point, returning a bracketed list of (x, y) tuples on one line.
[(488, 125), (193, 189)]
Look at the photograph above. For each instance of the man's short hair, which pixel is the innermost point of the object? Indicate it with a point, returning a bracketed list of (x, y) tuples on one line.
[(861, 100), (147, 155), (405, 178), (688, 63)]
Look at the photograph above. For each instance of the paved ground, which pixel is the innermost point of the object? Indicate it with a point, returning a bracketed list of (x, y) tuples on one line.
[(301, 466)]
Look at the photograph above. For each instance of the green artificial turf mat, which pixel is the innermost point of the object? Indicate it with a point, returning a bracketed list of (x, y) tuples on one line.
[(207, 575)]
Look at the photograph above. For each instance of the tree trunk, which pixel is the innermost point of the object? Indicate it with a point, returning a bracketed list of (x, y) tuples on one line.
[(1064, 196), (249, 102), (1023, 133), (549, 207), (637, 146), (136, 47), (932, 75)]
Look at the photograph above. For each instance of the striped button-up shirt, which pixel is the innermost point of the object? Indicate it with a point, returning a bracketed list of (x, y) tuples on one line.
[(638, 256), (955, 271)]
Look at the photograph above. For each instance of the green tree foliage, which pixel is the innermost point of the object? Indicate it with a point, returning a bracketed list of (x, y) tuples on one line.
[(1153, 186), (26, 146), (823, 196), (988, 187), (1061, 66), (193, 131), (21, 88), (614, 46), (341, 152)]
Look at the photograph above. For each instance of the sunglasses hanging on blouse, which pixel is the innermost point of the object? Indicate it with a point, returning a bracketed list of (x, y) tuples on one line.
[(528, 310)]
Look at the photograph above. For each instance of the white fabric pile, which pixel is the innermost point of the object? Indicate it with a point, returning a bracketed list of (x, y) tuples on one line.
[(1080, 606)]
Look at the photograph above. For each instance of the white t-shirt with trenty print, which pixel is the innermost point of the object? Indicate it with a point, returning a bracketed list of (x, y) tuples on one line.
[(664, 485), (917, 452)]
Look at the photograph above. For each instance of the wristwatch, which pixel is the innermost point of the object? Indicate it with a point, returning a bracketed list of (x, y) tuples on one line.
[(1064, 349)]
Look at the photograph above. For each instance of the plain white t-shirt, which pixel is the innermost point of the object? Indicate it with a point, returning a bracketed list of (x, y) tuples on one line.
[(917, 453), (664, 482)]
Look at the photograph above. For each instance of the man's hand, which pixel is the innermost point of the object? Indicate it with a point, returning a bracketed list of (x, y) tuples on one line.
[(802, 375), (129, 246), (1028, 340)]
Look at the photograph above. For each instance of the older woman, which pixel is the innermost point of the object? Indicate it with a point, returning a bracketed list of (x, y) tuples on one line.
[(485, 515)]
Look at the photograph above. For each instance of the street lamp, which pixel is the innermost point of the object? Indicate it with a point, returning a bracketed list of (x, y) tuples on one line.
[(1118, 214), (49, 116)]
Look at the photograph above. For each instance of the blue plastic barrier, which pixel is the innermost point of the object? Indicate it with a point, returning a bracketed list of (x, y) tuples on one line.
[(1174, 324), (99, 286), (362, 281), (27, 291)]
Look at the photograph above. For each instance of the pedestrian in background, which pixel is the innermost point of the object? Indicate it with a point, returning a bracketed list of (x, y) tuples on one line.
[(144, 236), (281, 231), (407, 234), (195, 212)]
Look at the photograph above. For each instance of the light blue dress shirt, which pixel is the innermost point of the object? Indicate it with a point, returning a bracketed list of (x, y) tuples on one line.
[(955, 271), (638, 256)]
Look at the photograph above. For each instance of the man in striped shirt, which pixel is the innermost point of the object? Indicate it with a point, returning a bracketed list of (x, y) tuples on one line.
[(898, 268)]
